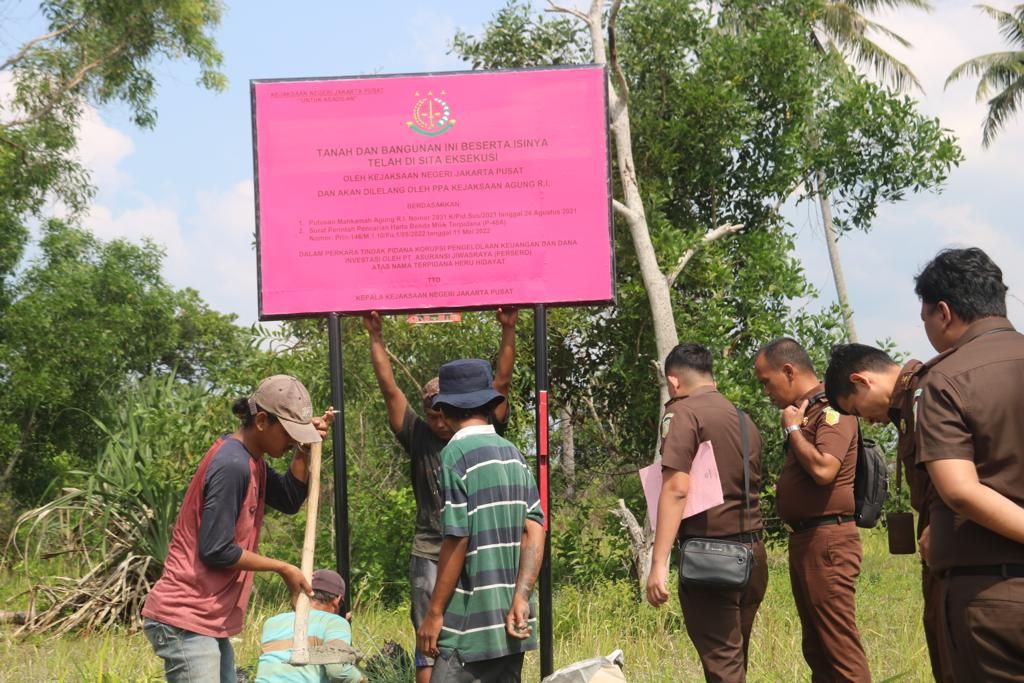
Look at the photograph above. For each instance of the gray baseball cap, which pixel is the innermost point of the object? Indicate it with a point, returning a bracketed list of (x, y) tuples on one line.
[(328, 581), (285, 398)]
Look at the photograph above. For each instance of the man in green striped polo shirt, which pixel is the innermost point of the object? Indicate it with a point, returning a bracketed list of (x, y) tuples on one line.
[(480, 621)]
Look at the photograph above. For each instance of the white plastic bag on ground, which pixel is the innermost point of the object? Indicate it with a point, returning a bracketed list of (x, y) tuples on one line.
[(597, 670)]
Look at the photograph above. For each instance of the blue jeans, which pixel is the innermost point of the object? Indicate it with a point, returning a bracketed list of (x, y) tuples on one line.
[(422, 576), (190, 657)]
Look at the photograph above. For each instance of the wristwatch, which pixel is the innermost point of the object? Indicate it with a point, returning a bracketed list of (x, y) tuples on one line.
[(791, 428)]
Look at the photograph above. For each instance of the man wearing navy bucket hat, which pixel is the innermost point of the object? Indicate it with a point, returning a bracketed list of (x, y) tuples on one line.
[(493, 540)]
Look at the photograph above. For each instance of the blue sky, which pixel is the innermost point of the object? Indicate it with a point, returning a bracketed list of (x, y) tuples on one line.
[(188, 183)]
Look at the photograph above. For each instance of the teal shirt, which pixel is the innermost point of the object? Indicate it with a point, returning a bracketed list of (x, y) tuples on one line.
[(489, 494), (274, 667)]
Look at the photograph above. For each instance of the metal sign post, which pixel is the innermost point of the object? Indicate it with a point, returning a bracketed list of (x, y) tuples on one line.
[(341, 535), (540, 346)]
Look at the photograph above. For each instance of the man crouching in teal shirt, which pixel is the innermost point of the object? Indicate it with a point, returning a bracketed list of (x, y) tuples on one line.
[(325, 627), (479, 624)]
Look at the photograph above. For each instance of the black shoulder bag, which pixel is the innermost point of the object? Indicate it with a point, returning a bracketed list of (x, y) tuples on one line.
[(715, 563)]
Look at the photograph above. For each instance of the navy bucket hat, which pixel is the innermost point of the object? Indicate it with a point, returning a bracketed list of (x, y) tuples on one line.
[(466, 383)]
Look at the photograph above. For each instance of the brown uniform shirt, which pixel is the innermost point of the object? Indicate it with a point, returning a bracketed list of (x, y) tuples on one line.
[(971, 407), (706, 415), (901, 413), (797, 496)]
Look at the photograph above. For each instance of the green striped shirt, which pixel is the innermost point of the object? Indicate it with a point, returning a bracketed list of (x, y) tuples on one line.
[(489, 493)]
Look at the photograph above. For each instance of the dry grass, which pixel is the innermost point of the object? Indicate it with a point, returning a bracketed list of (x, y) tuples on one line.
[(587, 623)]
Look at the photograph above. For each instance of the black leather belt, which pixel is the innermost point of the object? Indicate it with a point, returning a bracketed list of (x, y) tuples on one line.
[(1004, 570), (811, 522), (745, 537)]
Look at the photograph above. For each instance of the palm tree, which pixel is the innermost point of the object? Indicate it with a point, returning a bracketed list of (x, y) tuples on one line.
[(999, 72), (842, 26)]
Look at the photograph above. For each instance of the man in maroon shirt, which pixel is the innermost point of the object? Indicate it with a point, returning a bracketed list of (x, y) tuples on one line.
[(814, 497), (200, 600)]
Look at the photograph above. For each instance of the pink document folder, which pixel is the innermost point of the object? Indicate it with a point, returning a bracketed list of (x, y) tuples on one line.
[(705, 490)]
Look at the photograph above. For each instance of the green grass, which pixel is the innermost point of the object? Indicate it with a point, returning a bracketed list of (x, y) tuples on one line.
[(588, 622)]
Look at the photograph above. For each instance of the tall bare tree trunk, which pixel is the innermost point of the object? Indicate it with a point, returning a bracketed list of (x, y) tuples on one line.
[(657, 284), (568, 455), (833, 257)]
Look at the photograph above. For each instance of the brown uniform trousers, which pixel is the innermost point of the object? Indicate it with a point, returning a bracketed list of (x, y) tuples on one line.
[(938, 649), (719, 622), (984, 616), (824, 563)]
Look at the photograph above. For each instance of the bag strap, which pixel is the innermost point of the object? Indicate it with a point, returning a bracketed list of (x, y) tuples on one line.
[(899, 474), (745, 445)]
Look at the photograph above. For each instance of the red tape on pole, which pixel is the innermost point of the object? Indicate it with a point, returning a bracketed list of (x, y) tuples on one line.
[(542, 451)]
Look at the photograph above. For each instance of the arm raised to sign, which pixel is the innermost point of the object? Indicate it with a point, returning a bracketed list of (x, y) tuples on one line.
[(394, 399), (506, 359)]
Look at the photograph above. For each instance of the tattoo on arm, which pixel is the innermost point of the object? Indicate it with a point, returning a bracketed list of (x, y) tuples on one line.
[(530, 558)]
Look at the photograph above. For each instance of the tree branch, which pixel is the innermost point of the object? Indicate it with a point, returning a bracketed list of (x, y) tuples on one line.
[(613, 55), (623, 210), (60, 94), (20, 54), (404, 368), (710, 236), (567, 10)]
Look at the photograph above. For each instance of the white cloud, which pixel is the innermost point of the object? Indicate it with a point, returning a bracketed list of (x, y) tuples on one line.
[(222, 230), (952, 34), (101, 149)]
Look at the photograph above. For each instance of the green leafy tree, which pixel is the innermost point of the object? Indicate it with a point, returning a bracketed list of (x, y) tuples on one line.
[(1000, 74), (86, 317), (842, 28), (93, 51), (115, 519), (717, 105)]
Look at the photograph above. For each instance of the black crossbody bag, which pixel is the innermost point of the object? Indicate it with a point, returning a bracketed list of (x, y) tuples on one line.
[(715, 563)]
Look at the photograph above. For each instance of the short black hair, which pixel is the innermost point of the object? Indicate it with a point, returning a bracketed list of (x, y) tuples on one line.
[(690, 356), (323, 596), (462, 414), (968, 281), (784, 350), (847, 359), (240, 409)]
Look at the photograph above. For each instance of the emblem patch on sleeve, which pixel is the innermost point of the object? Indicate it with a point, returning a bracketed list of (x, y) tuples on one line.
[(666, 423), (831, 416)]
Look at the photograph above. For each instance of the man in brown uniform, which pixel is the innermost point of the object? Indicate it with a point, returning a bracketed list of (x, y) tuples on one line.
[(717, 621), (814, 497), (970, 437), (864, 381)]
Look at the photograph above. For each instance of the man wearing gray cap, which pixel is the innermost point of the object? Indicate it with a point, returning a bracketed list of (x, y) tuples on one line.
[(326, 627), (200, 600)]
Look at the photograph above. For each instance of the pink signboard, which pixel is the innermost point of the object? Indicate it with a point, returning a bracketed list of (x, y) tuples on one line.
[(432, 192)]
